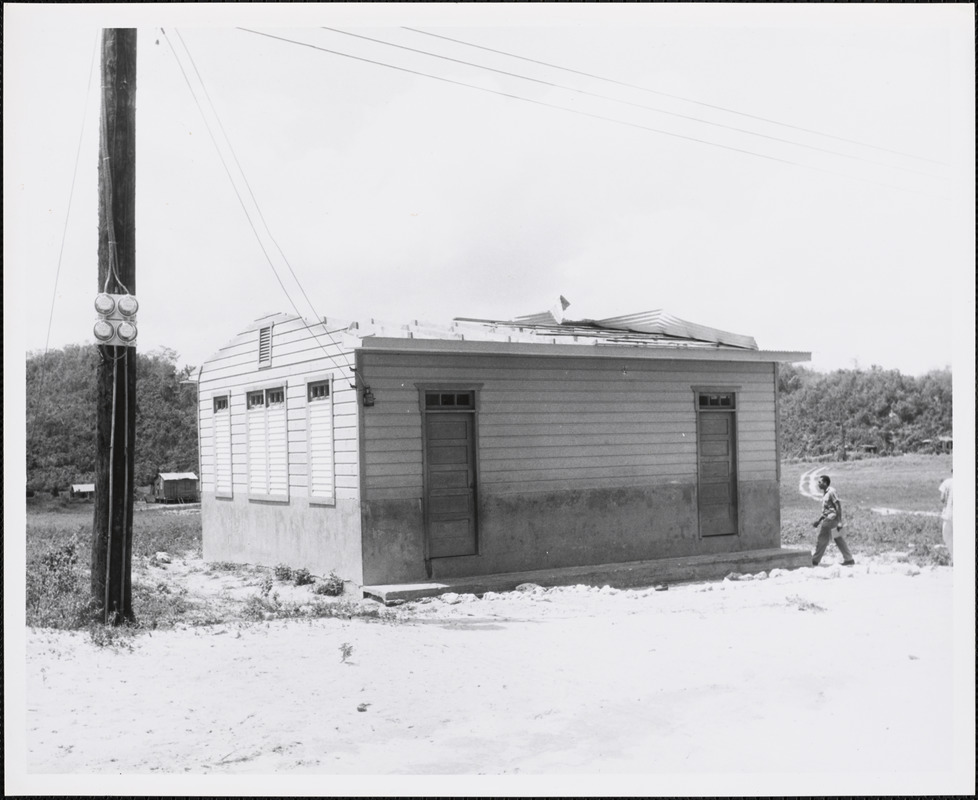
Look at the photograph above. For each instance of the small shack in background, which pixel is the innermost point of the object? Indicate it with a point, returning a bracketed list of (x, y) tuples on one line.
[(175, 487), (82, 491)]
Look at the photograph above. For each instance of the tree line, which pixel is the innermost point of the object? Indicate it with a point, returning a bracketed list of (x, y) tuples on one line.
[(850, 411), (61, 417), (832, 414)]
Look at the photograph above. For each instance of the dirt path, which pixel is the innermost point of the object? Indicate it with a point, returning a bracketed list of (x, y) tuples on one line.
[(824, 669)]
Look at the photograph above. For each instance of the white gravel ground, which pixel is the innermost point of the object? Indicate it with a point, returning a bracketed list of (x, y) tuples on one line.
[(811, 676)]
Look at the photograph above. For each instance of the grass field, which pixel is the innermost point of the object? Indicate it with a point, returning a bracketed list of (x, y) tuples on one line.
[(59, 534), (59, 547), (908, 483)]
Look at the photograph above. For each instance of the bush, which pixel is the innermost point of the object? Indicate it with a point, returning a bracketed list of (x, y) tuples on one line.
[(331, 585), (928, 554), (57, 589), (119, 636), (302, 577), (283, 572)]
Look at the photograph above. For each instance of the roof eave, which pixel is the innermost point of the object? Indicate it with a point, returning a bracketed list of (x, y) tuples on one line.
[(640, 352)]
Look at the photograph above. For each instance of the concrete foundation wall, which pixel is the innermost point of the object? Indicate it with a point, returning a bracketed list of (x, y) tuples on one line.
[(568, 528), (321, 539)]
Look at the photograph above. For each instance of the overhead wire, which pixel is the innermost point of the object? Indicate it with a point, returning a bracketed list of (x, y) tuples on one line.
[(678, 97), (254, 200), (64, 236), (598, 95), (578, 112)]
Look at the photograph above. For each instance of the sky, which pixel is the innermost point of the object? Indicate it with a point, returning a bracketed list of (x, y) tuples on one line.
[(803, 175)]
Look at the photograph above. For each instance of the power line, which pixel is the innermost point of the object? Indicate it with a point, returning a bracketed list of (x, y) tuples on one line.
[(625, 102), (680, 97), (574, 111), (64, 236), (253, 198), (244, 177)]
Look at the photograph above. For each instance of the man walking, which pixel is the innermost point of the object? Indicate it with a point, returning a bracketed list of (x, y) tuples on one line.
[(831, 520)]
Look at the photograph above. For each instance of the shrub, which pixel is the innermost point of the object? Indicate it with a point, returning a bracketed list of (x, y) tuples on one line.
[(332, 585), (302, 577), (159, 605), (57, 589), (119, 636), (283, 572), (928, 554)]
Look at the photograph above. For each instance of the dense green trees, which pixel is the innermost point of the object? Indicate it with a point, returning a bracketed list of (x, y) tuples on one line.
[(848, 411), (833, 414), (61, 417)]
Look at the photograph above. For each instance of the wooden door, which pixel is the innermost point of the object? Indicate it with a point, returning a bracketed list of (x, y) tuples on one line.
[(717, 489), (450, 484)]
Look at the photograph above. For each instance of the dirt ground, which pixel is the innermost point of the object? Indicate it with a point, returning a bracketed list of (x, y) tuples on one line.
[(814, 675)]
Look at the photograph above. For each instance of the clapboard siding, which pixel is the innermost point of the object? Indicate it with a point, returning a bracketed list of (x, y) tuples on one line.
[(298, 356), (550, 423)]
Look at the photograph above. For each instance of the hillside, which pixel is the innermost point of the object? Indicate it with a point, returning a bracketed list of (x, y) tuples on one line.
[(61, 417)]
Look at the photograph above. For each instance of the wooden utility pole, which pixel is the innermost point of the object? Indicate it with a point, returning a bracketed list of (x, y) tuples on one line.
[(116, 376)]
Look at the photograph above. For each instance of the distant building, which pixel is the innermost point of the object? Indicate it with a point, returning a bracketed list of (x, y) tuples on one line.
[(393, 454), (83, 491), (176, 487)]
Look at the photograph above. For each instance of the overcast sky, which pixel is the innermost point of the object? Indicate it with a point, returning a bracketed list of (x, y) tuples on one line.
[(399, 196)]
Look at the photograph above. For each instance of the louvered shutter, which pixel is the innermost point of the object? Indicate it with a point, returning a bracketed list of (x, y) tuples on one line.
[(277, 439), (320, 444), (257, 449), (222, 448)]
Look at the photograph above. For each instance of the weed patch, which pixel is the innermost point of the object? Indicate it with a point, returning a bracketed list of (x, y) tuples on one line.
[(332, 585), (302, 577), (804, 605), (870, 533), (58, 587), (113, 636), (262, 607)]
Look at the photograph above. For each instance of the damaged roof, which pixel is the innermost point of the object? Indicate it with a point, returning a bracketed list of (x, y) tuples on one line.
[(643, 334)]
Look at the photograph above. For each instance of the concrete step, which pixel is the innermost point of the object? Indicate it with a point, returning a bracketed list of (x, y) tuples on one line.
[(629, 575)]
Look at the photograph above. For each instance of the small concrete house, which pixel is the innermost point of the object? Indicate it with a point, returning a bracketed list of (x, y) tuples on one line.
[(175, 487), (404, 453)]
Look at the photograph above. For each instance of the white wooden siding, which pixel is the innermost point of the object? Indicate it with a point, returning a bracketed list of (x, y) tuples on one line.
[(297, 355), (556, 423)]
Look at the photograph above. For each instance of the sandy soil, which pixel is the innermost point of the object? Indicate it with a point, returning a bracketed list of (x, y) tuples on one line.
[(820, 670)]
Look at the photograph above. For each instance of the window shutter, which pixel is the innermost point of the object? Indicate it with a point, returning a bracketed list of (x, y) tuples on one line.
[(278, 440), (222, 447), (320, 444), (257, 450)]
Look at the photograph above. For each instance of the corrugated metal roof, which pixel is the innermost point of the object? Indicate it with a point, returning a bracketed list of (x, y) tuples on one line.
[(178, 476), (645, 331)]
